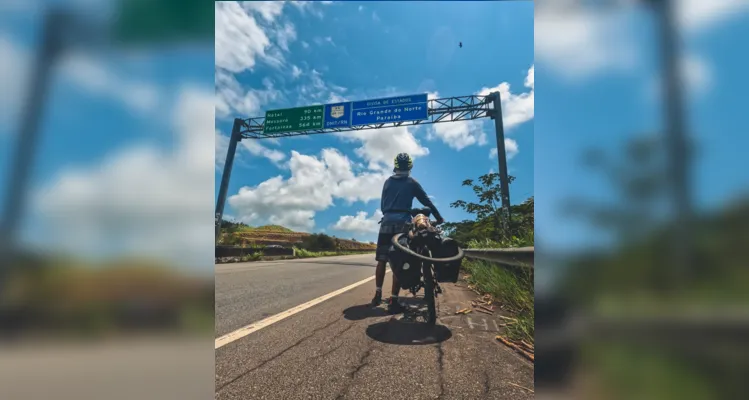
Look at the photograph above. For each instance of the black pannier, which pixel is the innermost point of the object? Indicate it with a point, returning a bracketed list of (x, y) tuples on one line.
[(447, 272), (405, 267)]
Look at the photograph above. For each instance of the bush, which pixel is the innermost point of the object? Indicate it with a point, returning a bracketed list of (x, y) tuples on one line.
[(252, 257), (318, 242), (302, 253)]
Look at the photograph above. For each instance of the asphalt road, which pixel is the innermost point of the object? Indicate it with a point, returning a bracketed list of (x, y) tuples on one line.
[(343, 349), (169, 367)]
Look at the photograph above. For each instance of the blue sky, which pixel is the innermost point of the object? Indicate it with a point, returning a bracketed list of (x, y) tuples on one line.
[(271, 56), (124, 163), (127, 156), (597, 84)]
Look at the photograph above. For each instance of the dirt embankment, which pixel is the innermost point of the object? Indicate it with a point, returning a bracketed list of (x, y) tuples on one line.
[(278, 235)]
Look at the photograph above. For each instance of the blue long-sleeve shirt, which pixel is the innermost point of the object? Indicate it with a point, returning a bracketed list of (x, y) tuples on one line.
[(398, 194)]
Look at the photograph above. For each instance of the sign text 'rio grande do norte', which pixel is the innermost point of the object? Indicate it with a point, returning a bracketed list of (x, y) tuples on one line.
[(347, 114)]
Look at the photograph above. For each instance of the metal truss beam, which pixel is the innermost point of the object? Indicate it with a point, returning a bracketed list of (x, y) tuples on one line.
[(449, 109)]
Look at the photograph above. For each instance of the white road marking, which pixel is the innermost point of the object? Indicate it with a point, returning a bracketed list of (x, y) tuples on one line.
[(242, 332), (471, 324)]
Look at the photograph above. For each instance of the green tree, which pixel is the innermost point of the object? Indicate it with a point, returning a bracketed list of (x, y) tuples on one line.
[(318, 242), (231, 227), (639, 179), (488, 222)]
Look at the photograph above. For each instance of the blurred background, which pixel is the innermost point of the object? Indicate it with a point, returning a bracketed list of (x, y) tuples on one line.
[(107, 152), (642, 214)]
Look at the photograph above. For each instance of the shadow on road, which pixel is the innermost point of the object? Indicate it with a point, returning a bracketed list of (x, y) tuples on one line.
[(405, 332), (364, 311)]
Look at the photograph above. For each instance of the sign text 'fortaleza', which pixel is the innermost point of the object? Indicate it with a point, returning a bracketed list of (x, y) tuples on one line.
[(347, 114)]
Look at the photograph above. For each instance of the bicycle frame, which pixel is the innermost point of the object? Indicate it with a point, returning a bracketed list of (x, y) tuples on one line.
[(424, 250)]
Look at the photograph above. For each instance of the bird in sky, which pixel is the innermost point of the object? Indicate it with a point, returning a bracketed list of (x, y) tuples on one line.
[(460, 44)]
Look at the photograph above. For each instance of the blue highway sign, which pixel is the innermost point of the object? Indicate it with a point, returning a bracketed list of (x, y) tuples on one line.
[(347, 114), (392, 109), (338, 115)]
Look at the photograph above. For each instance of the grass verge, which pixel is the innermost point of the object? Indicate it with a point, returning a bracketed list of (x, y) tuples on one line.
[(301, 253), (513, 287)]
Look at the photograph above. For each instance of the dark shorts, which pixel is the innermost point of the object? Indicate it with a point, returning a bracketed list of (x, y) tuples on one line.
[(385, 237)]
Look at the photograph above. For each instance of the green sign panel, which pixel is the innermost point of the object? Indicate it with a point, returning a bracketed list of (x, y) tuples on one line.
[(154, 22), (294, 119)]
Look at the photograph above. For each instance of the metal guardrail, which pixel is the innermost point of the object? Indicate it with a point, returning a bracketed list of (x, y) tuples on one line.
[(239, 251), (516, 257)]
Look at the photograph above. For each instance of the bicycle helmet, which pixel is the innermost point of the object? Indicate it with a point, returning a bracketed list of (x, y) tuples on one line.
[(403, 162)]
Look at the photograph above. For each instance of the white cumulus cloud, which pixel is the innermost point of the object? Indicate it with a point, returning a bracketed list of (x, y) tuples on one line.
[(517, 108), (360, 223), (460, 134), (233, 100), (511, 149), (94, 76), (697, 15), (252, 147), (380, 146), (86, 72), (577, 41), (314, 184), (143, 200), (295, 71), (239, 38)]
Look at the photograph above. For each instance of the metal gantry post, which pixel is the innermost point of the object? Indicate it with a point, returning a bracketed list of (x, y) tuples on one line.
[(236, 136), (28, 134), (504, 183), (676, 137)]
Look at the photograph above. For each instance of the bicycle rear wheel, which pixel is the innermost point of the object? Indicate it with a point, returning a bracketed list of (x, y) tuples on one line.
[(429, 292)]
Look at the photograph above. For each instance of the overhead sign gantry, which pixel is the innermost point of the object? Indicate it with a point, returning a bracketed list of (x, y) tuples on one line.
[(368, 114)]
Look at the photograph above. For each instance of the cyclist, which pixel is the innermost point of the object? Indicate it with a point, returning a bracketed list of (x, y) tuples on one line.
[(397, 200)]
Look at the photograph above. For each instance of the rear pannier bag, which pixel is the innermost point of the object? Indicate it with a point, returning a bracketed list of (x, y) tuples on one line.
[(405, 267), (447, 272)]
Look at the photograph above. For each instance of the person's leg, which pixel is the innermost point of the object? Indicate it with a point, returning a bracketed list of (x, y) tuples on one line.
[(380, 274), (379, 280), (394, 306), (383, 243), (396, 287)]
